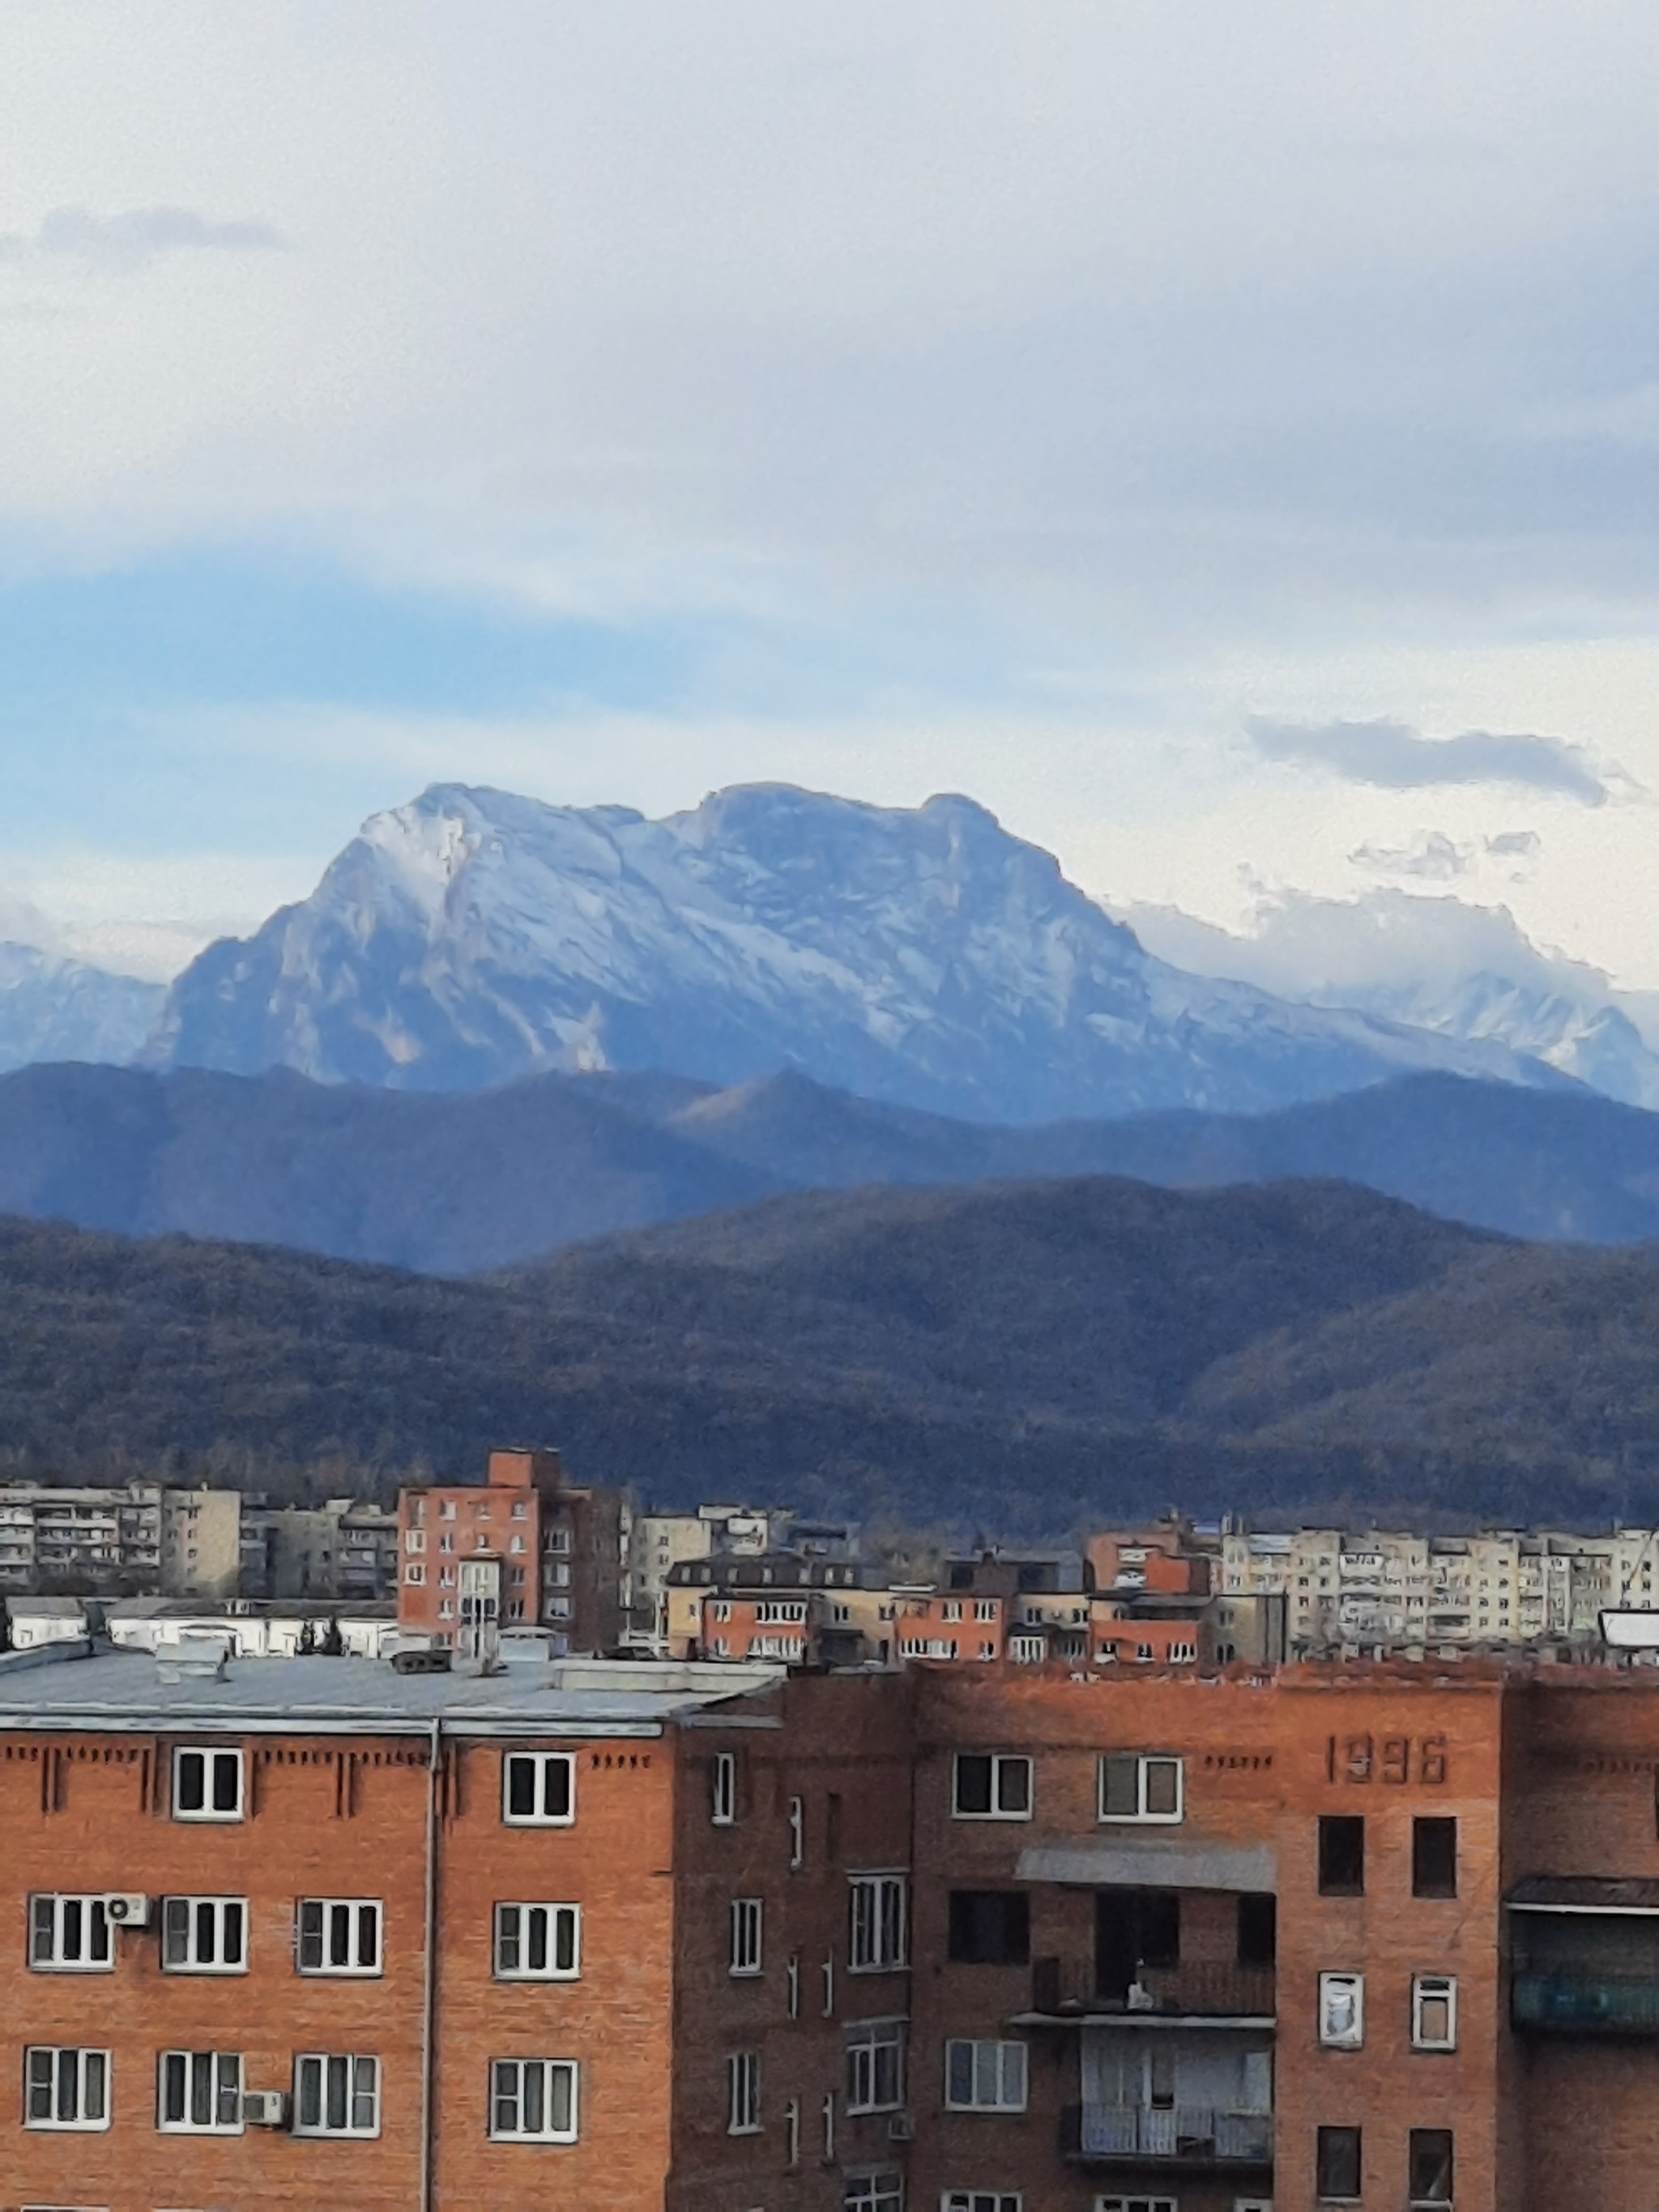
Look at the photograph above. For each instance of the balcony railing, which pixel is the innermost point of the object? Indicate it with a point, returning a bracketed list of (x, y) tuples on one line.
[(1066, 1988), (1194, 2135), (1585, 2004)]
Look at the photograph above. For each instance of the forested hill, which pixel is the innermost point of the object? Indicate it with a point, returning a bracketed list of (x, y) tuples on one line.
[(1010, 1355)]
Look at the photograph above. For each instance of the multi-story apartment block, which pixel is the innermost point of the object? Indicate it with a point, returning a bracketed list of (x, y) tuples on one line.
[(129, 1536), (948, 1939), (663, 1541), (346, 1548), (523, 1548)]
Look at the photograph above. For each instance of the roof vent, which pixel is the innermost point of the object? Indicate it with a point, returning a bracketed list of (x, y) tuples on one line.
[(434, 1661)]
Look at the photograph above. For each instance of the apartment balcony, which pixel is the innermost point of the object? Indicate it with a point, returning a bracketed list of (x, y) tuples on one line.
[(1584, 2004), (1194, 2137), (1199, 1994)]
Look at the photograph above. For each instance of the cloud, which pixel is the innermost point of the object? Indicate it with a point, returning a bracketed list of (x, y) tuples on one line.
[(1394, 757), (1432, 855), (76, 234)]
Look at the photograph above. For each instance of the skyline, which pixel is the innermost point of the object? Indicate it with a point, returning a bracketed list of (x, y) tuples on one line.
[(1199, 442)]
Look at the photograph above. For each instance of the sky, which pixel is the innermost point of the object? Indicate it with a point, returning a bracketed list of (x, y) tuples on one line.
[(1224, 441)]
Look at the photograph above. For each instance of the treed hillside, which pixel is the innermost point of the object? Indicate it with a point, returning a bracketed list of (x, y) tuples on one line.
[(1009, 1355)]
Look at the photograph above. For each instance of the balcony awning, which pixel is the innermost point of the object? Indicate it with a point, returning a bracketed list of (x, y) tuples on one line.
[(1633, 1896)]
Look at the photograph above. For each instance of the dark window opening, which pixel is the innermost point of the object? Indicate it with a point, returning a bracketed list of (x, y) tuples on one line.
[(990, 1928), (1258, 1928), (1341, 1854), (1431, 2166), (1434, 1858), (1133, 1928), (1337, 2165)]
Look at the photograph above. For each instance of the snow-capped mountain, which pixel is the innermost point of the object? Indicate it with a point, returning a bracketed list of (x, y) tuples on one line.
[(54, 1008), (1432, 963), (921, 957)]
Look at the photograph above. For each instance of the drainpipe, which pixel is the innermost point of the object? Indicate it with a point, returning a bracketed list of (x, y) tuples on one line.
[(430, 1963)]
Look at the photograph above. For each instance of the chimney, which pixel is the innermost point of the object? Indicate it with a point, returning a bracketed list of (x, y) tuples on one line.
[(524, 1467)]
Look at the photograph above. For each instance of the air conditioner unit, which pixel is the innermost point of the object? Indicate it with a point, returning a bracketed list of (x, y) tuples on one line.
[(264, 2108), (127, 1911), (901, 2128)]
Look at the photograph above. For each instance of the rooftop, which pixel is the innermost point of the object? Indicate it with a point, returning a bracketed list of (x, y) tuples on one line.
[(132, 1690)]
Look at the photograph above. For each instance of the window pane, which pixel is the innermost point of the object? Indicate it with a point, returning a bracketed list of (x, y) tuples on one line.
[(535, 2100), (555, 1788), (98, 1932), (1122, 1791), (336, 2092), (1163, 1786), (173, 2086), (310, 1933), (230, 2091), (1014, 2074), (368, 1935), (973, 1782), (225, 1776), (311, 2093), (1339, 2162), (505, 2099), (364, 2092), (201, 2089), (95, 2076), (566, 1957), (42, 1916), (1431, 2165), (522, 1788), (206, 1950), (959, 2073), (192, 1782), (1435, 2018), (1014, 1786), (564, 2082)]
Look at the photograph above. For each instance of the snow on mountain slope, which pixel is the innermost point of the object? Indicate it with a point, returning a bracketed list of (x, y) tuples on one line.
[(1432, 963), (924, 958), (54, 1008)]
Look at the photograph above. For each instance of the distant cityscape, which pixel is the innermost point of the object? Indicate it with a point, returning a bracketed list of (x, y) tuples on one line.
[(587, 1570)]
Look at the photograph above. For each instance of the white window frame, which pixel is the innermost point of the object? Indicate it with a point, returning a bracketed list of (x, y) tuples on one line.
[(182, 1919), (557, 1920), (415, 1574), (541, 1764), (747, 1936), (877, 1938), (216, 1759), (983, 2200), (1434, 1988), (1140, 2203), (328, 1913), (792, 1984), (48, 1910), (867, 2041), (323, 2060), (1144, 1763), (797, 1832), (792, 2132), (1342, 2011), (880, 2192), (723, 1789), (998, 1760), (78, 2058), (1005, 2096), (743, 2093), (223, 2070), (509, 2083)]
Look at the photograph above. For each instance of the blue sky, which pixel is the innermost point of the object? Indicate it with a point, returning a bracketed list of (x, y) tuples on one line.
[(1044, 403)]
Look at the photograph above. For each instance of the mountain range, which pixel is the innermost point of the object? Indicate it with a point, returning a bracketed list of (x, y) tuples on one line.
[(923, 957), (461, 1182), (1010, 1356)]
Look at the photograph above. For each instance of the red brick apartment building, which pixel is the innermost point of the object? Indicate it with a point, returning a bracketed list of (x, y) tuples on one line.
[(1001, 1939)]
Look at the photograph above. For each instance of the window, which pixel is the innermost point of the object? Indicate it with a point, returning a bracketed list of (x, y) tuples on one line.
[(200, 2093), (723, 1788), (532, 2099), (1145, 2204), (336, 2093), (828, 2111), (792, 2132), (1431, 2166), (1434, 1858), (207, 1785), (1258, 1928), (539, 1789), (65, 2089), (984, 2077), (878, 1932), (797, 1832), (1342, 2011), (1434, 2013), (991, 1786), (538, 1943), (1336, 2163), (980, 2200), (875, 2066), (743, 2093), (415, 1575), (339, 1936), (874, 2192), (1140, 1786), (69, 1935), (792, 1984), (1341, 1854), (990, 1928), (745, 1935), (204, 1935), (984, 1608)]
